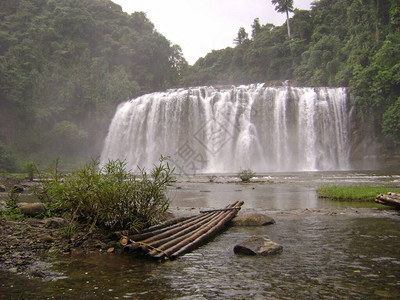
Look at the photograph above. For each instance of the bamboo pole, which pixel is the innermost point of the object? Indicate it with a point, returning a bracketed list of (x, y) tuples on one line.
[(176, 229), (174, 240), (194, 239), (166, 224), (219, 226), (179, 237), (143, 243), (148, 234)]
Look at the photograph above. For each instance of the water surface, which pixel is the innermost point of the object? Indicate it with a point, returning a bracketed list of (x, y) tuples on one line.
[(331, 250)]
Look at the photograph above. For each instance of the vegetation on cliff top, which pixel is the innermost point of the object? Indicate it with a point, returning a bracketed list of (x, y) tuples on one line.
[(337, 43)]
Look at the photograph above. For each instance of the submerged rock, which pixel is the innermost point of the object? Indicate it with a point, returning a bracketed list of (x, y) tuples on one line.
[(258, 245), (31, 209), (252, 220)]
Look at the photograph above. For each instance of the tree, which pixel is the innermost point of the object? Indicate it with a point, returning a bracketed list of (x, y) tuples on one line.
[(256, 28), (284, 6), (73, 61), (241, 37)]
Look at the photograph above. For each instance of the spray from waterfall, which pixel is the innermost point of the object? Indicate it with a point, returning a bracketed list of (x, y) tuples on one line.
[(210, 130)]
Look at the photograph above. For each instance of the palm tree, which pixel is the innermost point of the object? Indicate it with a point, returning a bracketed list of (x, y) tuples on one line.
[(284, 6)]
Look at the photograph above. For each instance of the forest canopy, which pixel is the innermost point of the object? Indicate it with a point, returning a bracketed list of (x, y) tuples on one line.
[(65, 65)]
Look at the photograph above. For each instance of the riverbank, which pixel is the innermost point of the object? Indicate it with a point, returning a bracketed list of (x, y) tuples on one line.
[(27, 246)]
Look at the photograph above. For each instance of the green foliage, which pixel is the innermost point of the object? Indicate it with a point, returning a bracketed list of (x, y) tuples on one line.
[(354, 193), (391, 122), (110, 195), (336, 43), (241, 36), (65, 65), (255, 28), (284, 6), (12, 199), (31, 168), (68, 231), (246, 175), (12, 212)]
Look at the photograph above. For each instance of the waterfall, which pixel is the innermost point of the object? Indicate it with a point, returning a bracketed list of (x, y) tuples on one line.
[(210, 130)]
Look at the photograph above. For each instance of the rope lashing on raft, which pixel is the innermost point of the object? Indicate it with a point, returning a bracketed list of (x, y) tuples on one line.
[(151, 247)]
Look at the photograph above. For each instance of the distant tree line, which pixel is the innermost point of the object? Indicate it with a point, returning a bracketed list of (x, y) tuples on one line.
[(337, 43), (65, 65)]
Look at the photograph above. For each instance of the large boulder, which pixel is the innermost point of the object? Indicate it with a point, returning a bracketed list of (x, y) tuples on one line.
[(258, 245), (252, 220), (31, 209)]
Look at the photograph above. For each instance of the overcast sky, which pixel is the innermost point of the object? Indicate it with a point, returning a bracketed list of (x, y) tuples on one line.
[(200, 26)]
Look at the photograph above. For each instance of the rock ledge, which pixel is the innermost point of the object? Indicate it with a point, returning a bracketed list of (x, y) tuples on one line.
[(258, 245)]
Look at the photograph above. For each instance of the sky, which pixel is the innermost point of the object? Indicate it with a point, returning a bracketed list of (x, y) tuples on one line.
[(200, 26)]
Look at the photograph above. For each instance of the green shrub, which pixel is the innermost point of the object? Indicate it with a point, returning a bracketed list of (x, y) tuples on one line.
[(30, 168), (110, 196), (211, 178), (12, 212), (246, 175)]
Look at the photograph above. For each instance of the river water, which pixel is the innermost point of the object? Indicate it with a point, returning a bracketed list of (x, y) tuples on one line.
[(331, 250)]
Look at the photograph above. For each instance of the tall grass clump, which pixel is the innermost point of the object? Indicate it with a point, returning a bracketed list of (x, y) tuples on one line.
[(354, 193), (110, 196)]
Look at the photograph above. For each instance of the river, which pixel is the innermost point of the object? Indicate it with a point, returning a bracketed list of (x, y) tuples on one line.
[(331, 250)]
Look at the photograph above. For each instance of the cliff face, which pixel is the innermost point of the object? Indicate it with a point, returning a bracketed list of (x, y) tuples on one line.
[(369, 150)]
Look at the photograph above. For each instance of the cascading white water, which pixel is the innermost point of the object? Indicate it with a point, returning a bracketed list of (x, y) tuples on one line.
[(208, 130)]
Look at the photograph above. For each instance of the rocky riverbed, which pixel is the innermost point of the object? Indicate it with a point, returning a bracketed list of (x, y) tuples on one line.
[(28, 245)]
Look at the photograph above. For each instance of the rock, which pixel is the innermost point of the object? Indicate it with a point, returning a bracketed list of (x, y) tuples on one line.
[(258, 245), (2, 188), (54, 223), (252, 220), (18, 188), (31, 209), (47, 239)]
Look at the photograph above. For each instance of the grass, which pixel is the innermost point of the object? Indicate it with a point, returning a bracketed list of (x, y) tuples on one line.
[(15, 175), (354, 193), (109, 196)]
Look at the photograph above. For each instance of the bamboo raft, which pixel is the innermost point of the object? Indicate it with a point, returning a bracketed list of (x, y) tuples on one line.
[(391, 199), (180, 235)]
